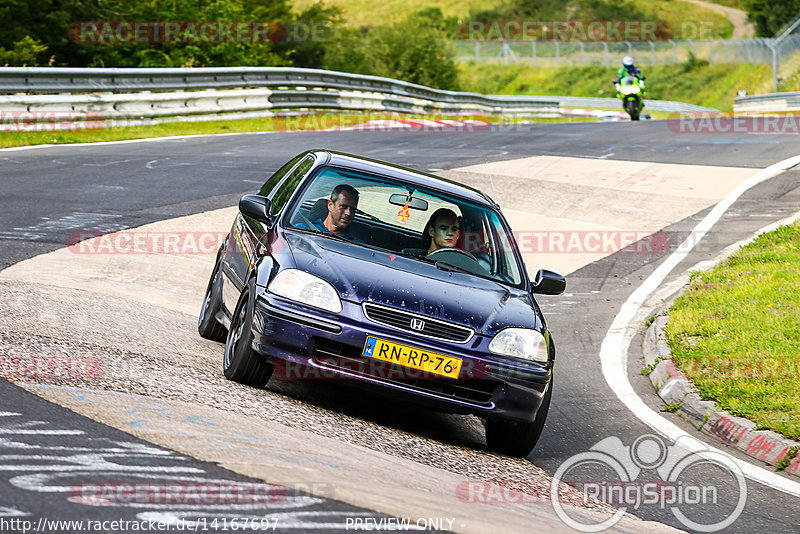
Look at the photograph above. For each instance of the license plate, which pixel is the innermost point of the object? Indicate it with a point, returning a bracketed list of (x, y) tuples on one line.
[(412, 357)]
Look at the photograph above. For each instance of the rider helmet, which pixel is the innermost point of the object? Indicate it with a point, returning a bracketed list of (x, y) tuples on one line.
[(627, 61)]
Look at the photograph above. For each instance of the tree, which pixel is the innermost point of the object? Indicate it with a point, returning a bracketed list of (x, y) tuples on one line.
[(769, 16), (414, 50)]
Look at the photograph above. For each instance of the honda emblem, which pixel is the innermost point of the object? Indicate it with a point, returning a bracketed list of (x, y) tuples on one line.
[(417, 324)]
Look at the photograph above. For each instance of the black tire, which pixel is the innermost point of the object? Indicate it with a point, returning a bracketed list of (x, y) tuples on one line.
[(207, 324), (518, 439), (633, 109), (241, 363)]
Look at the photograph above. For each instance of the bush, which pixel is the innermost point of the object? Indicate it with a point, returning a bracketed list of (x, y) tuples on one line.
[(415, 50), (25, 52)]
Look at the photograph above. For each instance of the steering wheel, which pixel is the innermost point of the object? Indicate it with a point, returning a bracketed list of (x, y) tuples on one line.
[(440, 251), (458, 258)]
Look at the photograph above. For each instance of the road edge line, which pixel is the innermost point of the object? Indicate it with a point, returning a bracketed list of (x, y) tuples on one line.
[(614, 348)]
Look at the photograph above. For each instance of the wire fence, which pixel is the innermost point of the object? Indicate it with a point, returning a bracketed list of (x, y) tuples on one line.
[(559, 53)]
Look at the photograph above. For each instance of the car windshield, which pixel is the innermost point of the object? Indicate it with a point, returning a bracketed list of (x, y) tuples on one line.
[(397, 216)]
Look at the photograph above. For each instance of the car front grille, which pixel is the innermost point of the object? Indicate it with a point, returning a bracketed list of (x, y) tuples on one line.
[(410, 322), (335, 355)]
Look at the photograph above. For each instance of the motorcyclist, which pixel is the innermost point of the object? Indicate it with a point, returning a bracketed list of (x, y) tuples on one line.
[(628, 69)]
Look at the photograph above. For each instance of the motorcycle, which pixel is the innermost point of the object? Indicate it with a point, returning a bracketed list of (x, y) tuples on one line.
[(631, 90)]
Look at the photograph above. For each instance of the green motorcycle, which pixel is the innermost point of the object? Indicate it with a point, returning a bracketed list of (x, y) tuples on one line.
[(631, 90)]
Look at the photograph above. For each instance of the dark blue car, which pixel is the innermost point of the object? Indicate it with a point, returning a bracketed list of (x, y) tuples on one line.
[(348, 268)]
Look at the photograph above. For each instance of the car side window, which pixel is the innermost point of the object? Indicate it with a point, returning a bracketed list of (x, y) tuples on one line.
[(275, 179), (285, 189)]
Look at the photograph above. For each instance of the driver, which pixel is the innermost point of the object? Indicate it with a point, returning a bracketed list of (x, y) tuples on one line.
[(342, 207), (442, 230)]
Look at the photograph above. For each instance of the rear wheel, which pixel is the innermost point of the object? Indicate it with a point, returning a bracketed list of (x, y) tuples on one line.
[(241, 363), (518, 439), (207, 324)]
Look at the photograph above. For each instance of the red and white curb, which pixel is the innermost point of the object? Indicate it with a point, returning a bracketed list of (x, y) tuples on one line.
[(416, 125), (674, 388), (596, 113)]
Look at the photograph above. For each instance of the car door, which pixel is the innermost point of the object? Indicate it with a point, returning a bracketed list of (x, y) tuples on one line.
[(249, 237)]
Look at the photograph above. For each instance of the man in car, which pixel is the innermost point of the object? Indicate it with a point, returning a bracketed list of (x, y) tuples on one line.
[(442, 230), (341, 211)]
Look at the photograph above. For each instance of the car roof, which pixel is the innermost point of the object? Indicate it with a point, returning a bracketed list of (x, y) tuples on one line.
[(391, 170)]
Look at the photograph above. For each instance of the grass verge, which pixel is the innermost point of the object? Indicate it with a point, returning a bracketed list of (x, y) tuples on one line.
[(736, 333), (312, 121)]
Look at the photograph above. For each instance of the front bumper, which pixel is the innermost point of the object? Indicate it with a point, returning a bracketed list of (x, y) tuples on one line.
[(305, 343)]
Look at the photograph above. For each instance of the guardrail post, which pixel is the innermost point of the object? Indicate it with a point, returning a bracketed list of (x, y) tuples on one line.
[(533, 51), (605, 53), (710, 51), (725, 46), (583, 52), (674, 51), (774, 65), (652, 51), (630, 48), (477, 50)]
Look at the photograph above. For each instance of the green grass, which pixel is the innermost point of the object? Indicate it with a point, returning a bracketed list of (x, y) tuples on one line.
[(705, 85), (688, 20), (736, 333), (277, 124), (370, 13)]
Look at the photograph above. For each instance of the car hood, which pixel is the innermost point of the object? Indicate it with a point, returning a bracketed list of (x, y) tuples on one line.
[(361, 274)]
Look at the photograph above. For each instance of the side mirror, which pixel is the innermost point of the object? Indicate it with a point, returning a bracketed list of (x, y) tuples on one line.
[(549, 283), (256, 207)]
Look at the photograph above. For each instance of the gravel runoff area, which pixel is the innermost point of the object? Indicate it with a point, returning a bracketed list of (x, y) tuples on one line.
[(75, 338)]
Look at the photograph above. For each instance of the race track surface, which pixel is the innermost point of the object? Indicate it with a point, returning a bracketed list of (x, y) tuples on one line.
[(135, 314)]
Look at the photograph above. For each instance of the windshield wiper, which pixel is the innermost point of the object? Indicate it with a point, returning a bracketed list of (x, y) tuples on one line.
[(451, 268)]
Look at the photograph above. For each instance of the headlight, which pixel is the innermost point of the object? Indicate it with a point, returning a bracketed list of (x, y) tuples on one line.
[(307, 289), (521, 343), (634, 89), (625, 90)]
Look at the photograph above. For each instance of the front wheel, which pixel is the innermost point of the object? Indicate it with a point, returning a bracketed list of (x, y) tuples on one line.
[(207, 324), (241, 363), (632, 107), (518, 439)]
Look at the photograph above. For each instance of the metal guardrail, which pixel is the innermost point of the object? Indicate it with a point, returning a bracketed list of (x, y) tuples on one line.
[(781, 102), (195, 94), (44, 80)]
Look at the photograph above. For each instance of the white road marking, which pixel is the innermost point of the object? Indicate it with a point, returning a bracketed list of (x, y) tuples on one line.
[(5, 511), (613, 351), (128, 141)]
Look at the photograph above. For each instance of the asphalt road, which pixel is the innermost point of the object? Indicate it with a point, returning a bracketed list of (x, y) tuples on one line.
[(50, 193)]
